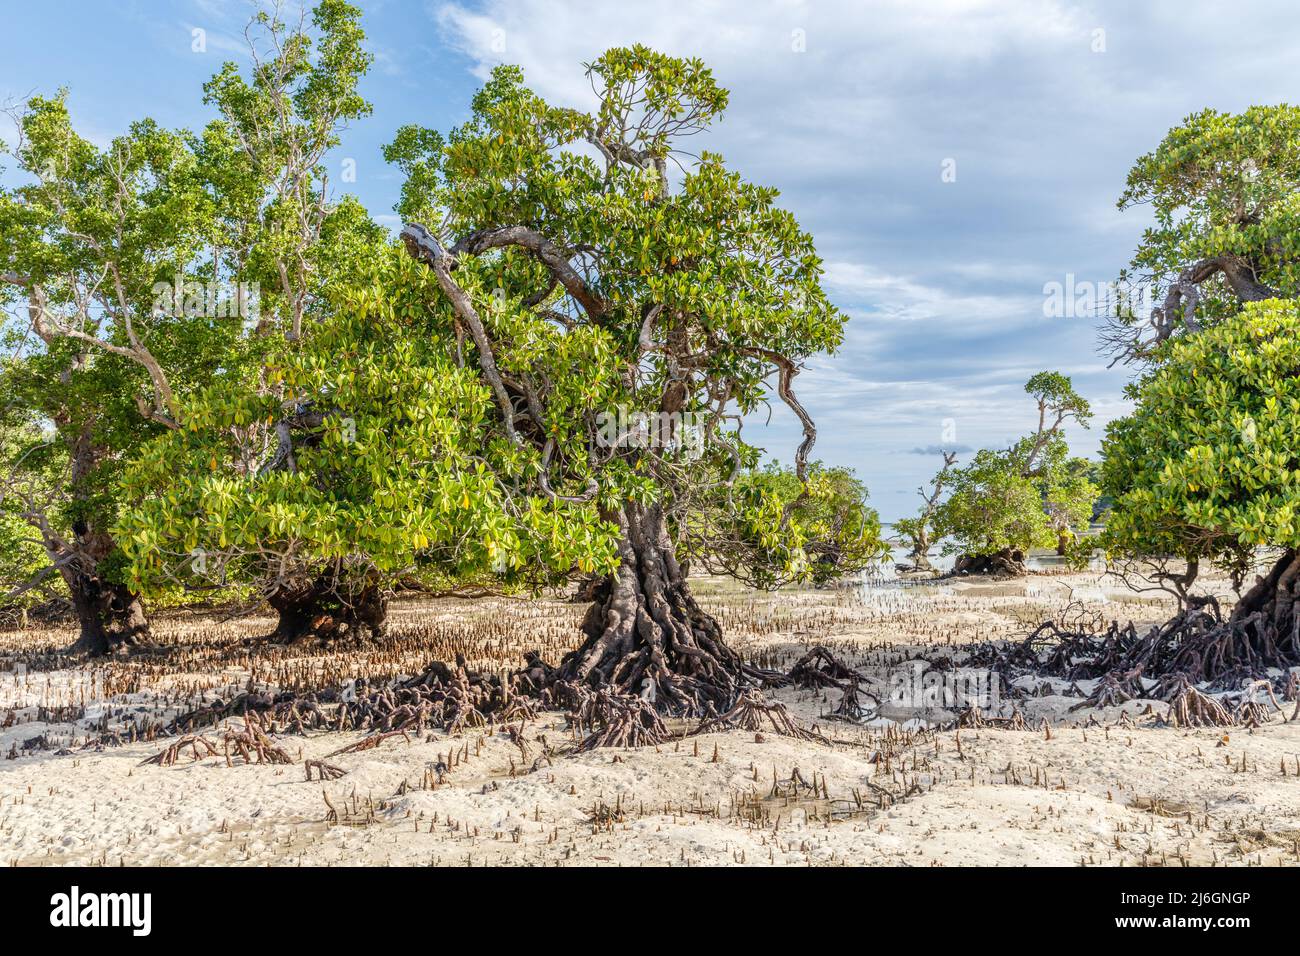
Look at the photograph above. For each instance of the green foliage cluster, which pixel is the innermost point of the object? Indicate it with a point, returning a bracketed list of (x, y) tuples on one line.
[(1208, 465), (1224, 189), (1030, 495), (164, 266), (770, 529), (401, 475)]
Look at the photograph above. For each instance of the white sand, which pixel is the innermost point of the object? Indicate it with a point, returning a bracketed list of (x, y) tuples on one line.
[(1116, 796)]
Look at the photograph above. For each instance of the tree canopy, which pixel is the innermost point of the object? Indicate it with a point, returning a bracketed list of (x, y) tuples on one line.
[(1208, 465), (1030, 495), (1224, 190)]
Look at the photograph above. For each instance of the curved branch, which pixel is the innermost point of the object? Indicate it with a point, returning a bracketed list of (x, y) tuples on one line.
[(49, 328), (546, 252), (548, 452), (1184, 294), (787, 371), (423, 247)]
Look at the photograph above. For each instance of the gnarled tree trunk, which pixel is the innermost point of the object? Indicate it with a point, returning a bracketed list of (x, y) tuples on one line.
[(320, 608), (111, 616), (1264, 628), (919, 558), (647, 636), (1010, 562)]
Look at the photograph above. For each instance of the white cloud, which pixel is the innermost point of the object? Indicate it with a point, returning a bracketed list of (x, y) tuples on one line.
[(943, 280)]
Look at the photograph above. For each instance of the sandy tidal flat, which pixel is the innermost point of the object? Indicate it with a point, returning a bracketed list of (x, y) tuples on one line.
[(1080, 787)]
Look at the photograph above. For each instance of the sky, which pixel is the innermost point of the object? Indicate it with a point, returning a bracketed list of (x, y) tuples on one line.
[(953, 159)]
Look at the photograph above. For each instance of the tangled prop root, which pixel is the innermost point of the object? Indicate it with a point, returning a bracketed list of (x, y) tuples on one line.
[(648, 637), (820, 668), (252, 741), (1115, 689), (199, 748), (1197, 643), (1188, 707), (850, 708), (611, 719), (749, 712), (1009, 564), (450, 698), (973, 719)]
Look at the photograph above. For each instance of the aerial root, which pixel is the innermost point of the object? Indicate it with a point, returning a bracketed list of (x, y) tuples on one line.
[(252, 741), (850, 708), (973, 718), (1199, 643), (455, 699), (749, 713), (611, 719), (1188, 707), (1115, 689), (369, 743), (324, 771), (198, 746), (820, 668)]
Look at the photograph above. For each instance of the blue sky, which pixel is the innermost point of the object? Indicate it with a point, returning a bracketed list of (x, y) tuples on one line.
[(855, 110)]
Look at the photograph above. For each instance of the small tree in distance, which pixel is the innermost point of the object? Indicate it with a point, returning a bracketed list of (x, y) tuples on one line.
[(1027, 496), (744, 532), (916, 531)]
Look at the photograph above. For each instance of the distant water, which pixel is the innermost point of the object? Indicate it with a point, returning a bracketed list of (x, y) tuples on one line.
[(886, 571)]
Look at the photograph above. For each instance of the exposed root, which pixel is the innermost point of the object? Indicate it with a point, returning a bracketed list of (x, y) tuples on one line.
[(646, 636), (198, 746), (749, 713), (324, 771), (850, 707), (1190, 708), (1198, 643), (252, 742), (973, 718), (820, 668), (611, 719), (369, 743), (1115, 689)]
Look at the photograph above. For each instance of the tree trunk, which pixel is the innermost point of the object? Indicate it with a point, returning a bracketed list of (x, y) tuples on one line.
[(1009, 562), (647, 636), (111, 616), (919, 559), (1271, 602), (322, 610)]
